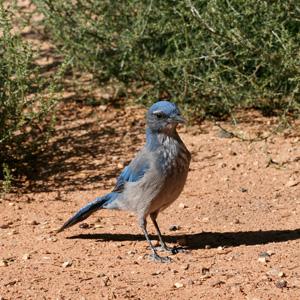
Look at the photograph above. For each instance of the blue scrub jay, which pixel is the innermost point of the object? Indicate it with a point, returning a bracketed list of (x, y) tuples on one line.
[(153, 180)]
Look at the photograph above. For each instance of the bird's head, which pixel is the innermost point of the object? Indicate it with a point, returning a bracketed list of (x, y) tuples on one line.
[(164, 116)]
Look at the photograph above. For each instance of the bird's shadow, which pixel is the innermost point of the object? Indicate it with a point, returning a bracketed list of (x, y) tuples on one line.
[(201, 240)]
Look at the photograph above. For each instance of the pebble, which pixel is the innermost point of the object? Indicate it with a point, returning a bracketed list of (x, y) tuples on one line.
[(174, 227), (4, 226), (67, 264), (205, 220), (281, 283), (98, 225), (292, 183), (120, 166), (178, 285), (26, 256), (185, 267), (263, 259), (13, 232), (217, 283), (270, 252), (275, 272), (3, 263), (84, 225), (204, 270), (232, 153), (182, 205), (264, 254), (156, 273), (33, 222)]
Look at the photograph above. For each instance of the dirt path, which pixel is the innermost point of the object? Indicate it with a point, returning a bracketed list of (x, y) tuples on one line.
[(238, 217)]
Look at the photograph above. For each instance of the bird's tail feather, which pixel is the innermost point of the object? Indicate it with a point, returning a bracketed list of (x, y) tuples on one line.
[(86, 211)]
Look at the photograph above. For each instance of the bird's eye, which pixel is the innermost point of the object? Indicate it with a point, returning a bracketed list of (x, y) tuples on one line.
[(159, 115)]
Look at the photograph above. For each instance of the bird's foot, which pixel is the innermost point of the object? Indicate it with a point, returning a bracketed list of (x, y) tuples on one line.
[(162, 259), (173, 250)]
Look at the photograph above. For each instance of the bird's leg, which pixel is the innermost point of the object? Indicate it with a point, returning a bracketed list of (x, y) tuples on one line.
[(163, 245), (154, 256)]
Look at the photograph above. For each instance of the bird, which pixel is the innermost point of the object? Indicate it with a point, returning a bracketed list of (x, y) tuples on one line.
[(153, 180)]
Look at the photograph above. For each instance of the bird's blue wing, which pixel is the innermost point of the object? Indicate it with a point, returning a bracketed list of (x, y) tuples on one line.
[(132, 173)]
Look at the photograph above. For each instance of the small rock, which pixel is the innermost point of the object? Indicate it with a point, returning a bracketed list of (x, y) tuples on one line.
[(103, 107), (225, 134), (26, 256), (262, 259), (292, 183), (4, 226), (281, 283), (270, 252), (205, 220), (185, 267), (120, 166), (226, 178), (219, 156), (264, 254), (220, 248), (190, 282), (156, 273), (67, 264), (3, 263), (182, 205), (98, 225), (178, 285), (281, 274), (33, 222), (174, 227), (243, 190), (275, 272), (217, 283), (232, 153), (84, 225), (204, 271), (105, 281), (13, 232)]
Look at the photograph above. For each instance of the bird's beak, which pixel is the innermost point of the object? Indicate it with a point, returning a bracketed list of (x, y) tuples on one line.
[(179, 119)]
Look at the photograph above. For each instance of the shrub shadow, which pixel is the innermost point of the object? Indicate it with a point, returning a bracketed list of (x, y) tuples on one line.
[(88, 150)]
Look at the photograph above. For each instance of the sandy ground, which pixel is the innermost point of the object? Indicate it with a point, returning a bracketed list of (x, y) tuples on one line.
[(238, 216)]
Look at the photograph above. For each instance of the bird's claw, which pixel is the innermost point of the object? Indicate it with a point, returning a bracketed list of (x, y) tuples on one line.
[(162, 259)]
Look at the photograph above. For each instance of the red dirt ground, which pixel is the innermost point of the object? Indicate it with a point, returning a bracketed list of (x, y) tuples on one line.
[(238, 216)]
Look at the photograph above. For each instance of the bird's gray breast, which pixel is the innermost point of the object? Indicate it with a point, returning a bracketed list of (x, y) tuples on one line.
[(174, 160)]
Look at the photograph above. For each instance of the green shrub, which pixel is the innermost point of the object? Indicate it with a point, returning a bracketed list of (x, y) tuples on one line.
[(25, 103), (212, 56)]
